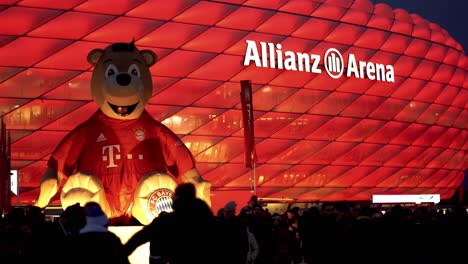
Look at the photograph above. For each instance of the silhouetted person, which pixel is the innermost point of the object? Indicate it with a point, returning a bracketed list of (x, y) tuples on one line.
[(38, 239), (187, 235), (95, 243), (248, 209), (237, 244)]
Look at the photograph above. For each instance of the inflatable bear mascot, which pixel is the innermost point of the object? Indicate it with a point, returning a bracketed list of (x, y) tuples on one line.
[(121, 157)]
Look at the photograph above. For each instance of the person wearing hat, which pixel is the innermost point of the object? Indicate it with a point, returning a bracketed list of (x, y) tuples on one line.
[(248, 209), (95, 243)]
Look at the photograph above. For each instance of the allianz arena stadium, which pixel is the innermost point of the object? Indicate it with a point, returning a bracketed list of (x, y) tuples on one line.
[(350, 98)]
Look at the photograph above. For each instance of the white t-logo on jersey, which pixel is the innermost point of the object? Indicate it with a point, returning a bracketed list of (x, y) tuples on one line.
[(111, 156), (114, 154)]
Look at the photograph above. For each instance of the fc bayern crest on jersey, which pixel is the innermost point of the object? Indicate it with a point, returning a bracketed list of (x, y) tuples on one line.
[(159, 201), (140, 134)]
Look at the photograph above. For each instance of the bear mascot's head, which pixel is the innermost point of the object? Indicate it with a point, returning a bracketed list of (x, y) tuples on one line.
[(121, 84), (121, 157)]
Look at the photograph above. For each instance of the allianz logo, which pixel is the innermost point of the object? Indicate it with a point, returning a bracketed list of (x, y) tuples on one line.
[(271, 55)]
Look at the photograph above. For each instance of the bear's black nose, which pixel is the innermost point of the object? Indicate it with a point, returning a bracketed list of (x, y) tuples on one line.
[(124, 79)]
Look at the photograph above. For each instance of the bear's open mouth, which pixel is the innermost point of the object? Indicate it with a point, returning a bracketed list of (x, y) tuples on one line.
[(123, 110)]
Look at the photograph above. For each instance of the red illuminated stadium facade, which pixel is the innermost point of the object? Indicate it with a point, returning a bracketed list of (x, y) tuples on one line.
[(350, 98)]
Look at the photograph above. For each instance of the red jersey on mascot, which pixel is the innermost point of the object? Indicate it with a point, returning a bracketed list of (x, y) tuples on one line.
[(120, 157)]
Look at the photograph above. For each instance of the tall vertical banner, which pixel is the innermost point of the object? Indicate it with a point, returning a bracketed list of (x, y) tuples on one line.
[(248, 122), (5, 200)]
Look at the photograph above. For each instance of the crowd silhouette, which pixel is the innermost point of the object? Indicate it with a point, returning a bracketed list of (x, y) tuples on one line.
[(331, 233)]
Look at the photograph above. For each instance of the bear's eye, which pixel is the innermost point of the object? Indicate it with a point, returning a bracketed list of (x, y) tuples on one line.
[(111, 70), (133, 70)]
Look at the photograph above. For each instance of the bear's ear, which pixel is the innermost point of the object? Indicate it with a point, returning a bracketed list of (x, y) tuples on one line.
[(150, 57), (94, 56)]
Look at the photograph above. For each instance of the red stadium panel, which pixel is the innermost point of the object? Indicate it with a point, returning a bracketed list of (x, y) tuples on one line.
[(20, 20), (345, 34), (197, 12), (108, 6), (411, 112), (18, 134), (34, 82), (448, 96), (189, 119), (31, 50), (269, 97), (225, 96), (180, 63), (9, 104), (224, 151), (214, 40), (387, 132), (212, 70), (372, 39), (160, 9), (197, 144), (361, 130), (303, 7), (374, 177), (356, 155), (65, 5), (263, 75), (296, 153), (161, 112), (78, 25), (315, 29), (301, 101), (362, 106), (354, 16), (73, 119), (224, 124), (44, 140), (319, 136), (72, 57), (345, 195), (77, 88), (129, 28), (162, 37), (329, 153), (291, 176), (452, 117), (271, 122), (350, 177), (224, 174), (31, 174), (333, 128), (402, 27), (31, 115), (245, 18), (184, 92), (329, 11), (301, 127), (269, 149), (282, 24), (333, 104), (273, 4)]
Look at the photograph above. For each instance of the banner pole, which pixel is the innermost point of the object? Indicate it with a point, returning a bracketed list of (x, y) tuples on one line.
[(254, 177)]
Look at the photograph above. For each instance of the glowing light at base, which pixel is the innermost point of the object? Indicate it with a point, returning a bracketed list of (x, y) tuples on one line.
[(406, 198), (141, 254)]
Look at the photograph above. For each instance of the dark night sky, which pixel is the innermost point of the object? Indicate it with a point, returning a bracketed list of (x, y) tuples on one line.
[(451, 15)]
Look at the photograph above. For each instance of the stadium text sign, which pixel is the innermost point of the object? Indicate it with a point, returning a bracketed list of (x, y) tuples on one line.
[(271, 55)]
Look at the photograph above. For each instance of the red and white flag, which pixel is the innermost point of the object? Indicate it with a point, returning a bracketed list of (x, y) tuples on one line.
[(248, 121), (5, 184)]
